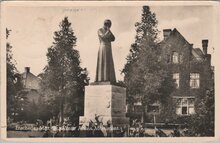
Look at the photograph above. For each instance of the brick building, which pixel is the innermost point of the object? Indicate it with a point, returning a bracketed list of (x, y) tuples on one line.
[(31, 83), (29, 80), (192, 72)]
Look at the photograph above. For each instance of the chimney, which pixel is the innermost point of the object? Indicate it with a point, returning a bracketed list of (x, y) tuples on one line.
[(205, 46), (166, 33), (27, 69)]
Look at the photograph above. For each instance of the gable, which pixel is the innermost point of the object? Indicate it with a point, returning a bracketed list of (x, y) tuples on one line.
[(31, 81), (176, 42)]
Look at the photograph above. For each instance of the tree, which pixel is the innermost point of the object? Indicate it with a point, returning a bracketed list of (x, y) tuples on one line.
[(146, 77), (11, 70), (63, 74), (203, 122), (16, 97)]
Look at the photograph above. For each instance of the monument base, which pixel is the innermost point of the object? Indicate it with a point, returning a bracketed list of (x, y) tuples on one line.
[(105, 103), (115, 121)]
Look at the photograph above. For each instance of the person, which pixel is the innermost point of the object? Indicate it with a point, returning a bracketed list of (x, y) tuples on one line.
[(105, 71)]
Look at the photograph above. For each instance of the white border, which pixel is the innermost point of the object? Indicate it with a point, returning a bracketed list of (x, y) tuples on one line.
[(215, 57)]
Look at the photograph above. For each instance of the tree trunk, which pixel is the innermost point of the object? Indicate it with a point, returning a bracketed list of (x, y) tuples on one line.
[(14, 106), (143, 113), (61, 111)]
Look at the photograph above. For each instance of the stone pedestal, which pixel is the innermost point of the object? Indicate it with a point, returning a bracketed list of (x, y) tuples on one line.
[(106, 101)]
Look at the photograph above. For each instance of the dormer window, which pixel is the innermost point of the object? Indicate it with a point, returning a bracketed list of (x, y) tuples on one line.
[(175, 57)]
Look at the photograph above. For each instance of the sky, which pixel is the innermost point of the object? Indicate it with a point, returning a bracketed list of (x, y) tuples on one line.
[(33, 28)]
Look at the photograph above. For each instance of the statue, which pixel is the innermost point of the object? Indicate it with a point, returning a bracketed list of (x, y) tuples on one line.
[(104, 100), (105, 71)]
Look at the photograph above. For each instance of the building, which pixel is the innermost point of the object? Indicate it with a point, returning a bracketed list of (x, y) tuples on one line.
[(31, 84), (29, 80), (193, 75)]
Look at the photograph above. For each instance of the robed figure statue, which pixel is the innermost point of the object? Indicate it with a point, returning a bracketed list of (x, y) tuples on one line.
[(105, 71)]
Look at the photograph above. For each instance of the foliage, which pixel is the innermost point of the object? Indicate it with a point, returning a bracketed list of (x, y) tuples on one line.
[(40, 108), (11, 70), (202, 123), (63, 76), (146, 76), (16, 97), (19, 105)]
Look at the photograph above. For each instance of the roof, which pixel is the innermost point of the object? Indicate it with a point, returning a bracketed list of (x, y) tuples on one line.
[(199, 51), (26, 75), (196, 52)]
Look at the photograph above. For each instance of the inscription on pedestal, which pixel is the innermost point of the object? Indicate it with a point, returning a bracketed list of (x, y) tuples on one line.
[(106, 101)]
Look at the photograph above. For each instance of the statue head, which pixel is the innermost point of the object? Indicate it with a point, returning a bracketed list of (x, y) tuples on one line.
[(107, 23)]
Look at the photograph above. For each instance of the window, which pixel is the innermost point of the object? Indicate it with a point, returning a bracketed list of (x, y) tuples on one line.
[(175, 59), (177, 79), (137, 107), (185, 106), (194, 80), (153, 108)]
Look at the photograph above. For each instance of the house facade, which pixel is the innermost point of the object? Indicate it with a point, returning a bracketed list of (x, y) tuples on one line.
[(29, 80), (31, 84), (192, 72)]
